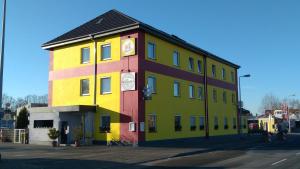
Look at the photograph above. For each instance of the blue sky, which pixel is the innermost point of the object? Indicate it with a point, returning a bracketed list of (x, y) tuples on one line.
[(261, 36)]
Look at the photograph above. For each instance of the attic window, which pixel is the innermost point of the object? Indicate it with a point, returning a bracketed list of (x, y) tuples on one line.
[(99, 21)]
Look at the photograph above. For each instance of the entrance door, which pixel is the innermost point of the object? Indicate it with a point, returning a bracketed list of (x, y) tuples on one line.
[(64, 132)]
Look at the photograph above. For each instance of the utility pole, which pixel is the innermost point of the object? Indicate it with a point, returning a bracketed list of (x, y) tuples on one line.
[(2, 52)]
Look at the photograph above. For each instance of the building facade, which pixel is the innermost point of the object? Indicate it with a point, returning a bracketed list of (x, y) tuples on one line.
[(108, 63)]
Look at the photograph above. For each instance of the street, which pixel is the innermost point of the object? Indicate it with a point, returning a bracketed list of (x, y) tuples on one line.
[(238, 155)]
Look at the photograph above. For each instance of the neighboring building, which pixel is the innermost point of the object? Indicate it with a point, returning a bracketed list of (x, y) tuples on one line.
[(107, 62), (31, 105), (267, 123), (245, 116), (7, 119)]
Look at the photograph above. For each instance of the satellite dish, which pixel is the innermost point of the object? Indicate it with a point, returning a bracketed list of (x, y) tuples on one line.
[(147, 93)]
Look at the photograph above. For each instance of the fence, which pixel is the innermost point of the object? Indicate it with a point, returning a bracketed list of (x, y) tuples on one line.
[(21, 136), (6, 135)]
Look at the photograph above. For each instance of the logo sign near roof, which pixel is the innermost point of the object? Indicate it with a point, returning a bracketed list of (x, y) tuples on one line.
[(128, 47), (128, 81)]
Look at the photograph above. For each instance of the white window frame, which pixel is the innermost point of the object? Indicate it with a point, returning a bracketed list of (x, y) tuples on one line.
[(176, 60), (200, 121), (195, 123), (199, 66), (215, 95), (223, 74), (101, 90), (191, 65), (154, 51), (154, 89), (81, 82), (193, 91), (102, 46), (155, 123), (81, 57), (200, 96), (214, 70), (178, 89)]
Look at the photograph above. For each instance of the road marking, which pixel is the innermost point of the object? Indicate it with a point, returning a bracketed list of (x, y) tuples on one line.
[(19, 155), (279, 161)]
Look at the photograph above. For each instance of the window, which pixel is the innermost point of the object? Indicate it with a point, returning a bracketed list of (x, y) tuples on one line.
[(105, 124), (233, 98), (223, 74), (176, 88), (151, 51), (193, 123), (43, 123), (191, 64), (234, 123), (216, 123), (202, 122), (200, 93), (191, 91), (84, 87), (177, 123), (176, 58), (152, 83), (224, 97), (244, 123), (85, 55), (215, 95), (225, 123), (105, 85), (213, 71), (152, 124), (199, 64), (105, 52), (232, 76)]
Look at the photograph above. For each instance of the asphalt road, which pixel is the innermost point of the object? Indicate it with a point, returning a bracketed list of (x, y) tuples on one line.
[(221, 156), (278, 154)]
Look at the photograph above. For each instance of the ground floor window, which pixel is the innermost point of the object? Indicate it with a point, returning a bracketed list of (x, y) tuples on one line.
[(202, 123), (216, 123), (193, 123), (43, 123), (234, 123), (152, 124), (225, 123), (177, 123), (105, 124)]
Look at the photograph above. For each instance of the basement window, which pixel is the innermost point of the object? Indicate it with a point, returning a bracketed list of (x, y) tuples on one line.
[(43, 124)]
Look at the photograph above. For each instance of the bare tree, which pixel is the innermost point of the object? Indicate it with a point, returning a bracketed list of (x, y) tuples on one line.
[(270, 102)]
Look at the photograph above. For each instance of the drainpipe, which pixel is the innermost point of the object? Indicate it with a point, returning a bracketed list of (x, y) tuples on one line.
[(95, 85), (206, 99), (95, 69)]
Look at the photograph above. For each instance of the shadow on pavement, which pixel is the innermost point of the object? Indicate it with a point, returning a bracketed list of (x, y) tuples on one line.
[(39, 163)]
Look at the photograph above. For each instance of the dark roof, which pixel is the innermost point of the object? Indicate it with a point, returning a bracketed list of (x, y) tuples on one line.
[(116, 22), (106, 22)]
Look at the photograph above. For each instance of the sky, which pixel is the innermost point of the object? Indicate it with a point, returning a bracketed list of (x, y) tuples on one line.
[(262, 37)]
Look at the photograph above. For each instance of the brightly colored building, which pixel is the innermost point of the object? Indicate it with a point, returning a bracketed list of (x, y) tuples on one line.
[(107, 63)]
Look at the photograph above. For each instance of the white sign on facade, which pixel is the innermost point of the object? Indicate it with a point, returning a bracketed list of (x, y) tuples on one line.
[(128, 81)]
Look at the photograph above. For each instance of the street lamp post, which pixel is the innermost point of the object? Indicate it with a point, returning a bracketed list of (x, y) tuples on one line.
[(287, 112), (2, 51), (240, 102)]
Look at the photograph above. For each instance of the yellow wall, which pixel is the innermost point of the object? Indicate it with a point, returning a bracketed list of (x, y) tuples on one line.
[(221, 110), (70, 56), (164, 54), (165, 106), (219, 67), (66, 91), (183, 105)]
